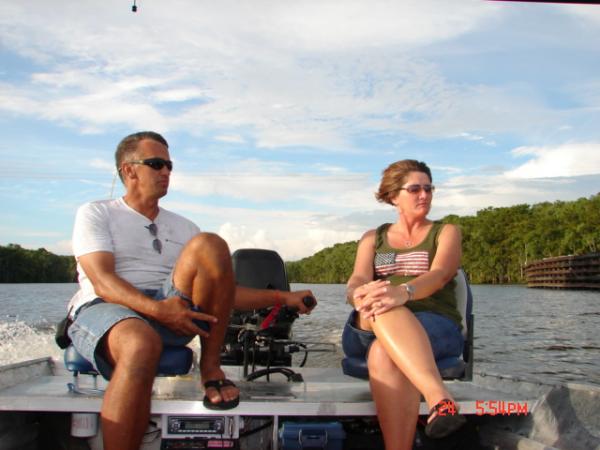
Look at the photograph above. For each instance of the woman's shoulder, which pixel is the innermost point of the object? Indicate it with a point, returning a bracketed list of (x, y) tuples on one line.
[(376, 236), (438, 225), (446, 231), (368, 235), (373, 233), (447, 227)]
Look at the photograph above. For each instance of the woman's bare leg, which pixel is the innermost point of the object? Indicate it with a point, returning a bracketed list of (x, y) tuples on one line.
[(407, 344), (396, 400)]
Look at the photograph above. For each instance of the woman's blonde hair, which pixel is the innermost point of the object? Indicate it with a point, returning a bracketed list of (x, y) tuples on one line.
[(394, 177)]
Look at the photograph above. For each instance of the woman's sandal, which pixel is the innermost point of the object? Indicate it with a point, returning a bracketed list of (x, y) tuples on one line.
[(446, 420)]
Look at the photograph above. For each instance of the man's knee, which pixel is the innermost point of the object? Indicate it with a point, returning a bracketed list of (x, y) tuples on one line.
[(204, 244), (210, 253), (134, 342)]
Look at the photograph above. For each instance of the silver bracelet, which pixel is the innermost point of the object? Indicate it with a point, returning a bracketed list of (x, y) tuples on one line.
[(410, 290)]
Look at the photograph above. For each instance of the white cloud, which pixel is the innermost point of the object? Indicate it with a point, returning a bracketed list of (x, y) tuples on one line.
[(294, 234), (279, 70), (350, 77), (30, 233), (64, 247), (286, 244), (588, 13), (264, 182), (567, 160), (232, 139), (179, 95), (102, 164)]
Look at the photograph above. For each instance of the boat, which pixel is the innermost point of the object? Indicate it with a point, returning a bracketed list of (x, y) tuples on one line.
[(37, 408), (46, 403), (564, 272)]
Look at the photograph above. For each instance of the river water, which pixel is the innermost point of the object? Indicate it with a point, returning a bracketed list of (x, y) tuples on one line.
[(546, 335)]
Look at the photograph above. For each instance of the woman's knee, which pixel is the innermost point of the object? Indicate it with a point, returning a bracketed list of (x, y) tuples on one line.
[(378, 361)]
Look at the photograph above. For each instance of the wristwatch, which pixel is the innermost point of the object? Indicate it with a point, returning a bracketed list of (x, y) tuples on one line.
[(410, 290)]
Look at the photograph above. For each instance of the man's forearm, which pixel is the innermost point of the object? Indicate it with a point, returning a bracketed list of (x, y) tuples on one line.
[(249, 298), (114, 289)]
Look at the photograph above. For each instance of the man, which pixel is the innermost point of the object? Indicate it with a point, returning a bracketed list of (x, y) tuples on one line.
[(149, 277)]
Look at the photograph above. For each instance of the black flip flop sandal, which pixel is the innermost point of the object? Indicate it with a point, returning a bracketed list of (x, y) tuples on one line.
[(223, 404)]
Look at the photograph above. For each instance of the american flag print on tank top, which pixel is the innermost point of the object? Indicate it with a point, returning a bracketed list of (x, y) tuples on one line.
[(410, 264)]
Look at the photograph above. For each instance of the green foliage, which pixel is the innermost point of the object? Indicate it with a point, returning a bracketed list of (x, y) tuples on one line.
[(497, 242), (19, 265), (330, 265)]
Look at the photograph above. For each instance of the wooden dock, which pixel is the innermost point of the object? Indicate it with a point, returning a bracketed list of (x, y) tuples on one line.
[(565, 272)]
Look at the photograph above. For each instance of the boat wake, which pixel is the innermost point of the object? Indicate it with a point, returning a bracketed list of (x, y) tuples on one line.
[(20, 342)]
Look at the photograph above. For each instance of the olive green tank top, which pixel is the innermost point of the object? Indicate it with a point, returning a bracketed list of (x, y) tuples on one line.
[(402, 265)]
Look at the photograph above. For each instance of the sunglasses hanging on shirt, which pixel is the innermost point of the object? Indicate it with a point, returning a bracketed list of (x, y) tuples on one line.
[(156, 243)]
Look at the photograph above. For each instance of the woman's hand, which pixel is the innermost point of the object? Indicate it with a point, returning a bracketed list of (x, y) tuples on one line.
[(377, 297)]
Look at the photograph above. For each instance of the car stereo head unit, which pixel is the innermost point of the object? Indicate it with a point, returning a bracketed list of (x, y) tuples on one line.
[(183, 427)]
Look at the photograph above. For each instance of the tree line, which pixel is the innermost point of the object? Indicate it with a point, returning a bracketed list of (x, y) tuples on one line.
[(497, 242), (20, 265)]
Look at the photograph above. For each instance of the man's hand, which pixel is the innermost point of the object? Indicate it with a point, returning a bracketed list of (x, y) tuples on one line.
[(295, 300), (175, 314)]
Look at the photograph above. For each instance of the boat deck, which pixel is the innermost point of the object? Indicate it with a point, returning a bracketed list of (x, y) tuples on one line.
[(325, 396), (42, 385)]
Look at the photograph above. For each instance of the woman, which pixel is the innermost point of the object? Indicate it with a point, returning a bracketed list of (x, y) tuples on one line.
[(405, 314)]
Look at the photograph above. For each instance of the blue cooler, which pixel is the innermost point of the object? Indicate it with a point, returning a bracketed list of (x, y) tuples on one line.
[(312, 435)]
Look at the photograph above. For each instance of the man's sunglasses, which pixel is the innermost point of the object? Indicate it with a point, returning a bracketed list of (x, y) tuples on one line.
[(154, 163), (416, 188), (156, 243)]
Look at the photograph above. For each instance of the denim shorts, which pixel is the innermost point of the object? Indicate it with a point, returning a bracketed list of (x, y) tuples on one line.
[(444, 335), (94, 319)]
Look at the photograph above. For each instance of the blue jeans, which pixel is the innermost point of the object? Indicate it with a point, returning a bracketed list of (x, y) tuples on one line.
[(444, 335), (94, 319)]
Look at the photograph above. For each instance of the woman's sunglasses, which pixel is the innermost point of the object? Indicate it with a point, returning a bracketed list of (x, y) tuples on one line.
[(416, 188), (154, 163)]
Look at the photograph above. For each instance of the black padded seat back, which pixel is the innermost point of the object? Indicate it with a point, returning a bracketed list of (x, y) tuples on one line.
[(259, 269)]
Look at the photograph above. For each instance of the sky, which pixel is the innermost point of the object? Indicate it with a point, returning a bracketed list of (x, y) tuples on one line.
[(281, 115)]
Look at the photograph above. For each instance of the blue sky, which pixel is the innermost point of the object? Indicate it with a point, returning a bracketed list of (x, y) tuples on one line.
[(282, 114)]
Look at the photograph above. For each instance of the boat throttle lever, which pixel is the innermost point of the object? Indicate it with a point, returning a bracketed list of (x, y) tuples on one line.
[(309, 301)]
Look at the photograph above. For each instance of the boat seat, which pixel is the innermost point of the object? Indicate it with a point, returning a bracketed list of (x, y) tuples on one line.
[(173, 361), (450, 368)]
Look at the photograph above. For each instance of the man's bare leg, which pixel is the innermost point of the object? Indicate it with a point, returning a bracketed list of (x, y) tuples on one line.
[(205, 273), (134, 349), (396, 400)]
